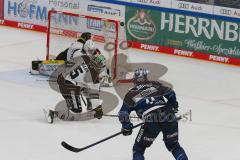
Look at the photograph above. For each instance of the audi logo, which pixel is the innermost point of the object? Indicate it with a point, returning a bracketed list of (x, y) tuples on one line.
[(183, 5), (225, 11)]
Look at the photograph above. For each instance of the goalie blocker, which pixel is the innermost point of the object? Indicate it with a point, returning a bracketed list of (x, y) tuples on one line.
[(46, 67)]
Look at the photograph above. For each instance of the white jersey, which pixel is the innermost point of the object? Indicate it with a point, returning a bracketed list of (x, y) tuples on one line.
[(83, 75), (74, 50)]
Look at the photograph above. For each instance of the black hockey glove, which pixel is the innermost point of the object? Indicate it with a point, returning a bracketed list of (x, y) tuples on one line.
[(175, 107), (127, 129), (175, 110), (172, 108)]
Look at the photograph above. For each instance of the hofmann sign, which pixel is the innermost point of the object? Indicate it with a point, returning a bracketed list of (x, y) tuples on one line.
[(36, 11)]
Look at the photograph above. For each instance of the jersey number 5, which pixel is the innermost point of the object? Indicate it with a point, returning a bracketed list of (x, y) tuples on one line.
[(76, 72)]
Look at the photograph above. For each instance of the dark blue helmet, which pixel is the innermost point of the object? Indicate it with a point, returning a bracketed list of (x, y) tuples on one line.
[(140, 75)]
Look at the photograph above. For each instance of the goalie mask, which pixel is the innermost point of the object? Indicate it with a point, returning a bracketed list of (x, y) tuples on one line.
[(140, 75)]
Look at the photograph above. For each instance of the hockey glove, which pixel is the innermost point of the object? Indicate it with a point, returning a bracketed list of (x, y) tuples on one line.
[(127, 129), (98, 112), (175, 110)]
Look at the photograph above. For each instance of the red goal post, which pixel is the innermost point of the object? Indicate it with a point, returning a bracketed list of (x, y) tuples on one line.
[(65, 28)]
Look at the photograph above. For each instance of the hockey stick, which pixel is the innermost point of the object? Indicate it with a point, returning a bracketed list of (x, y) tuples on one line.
[(74, 149), (114, 115), (134, 117), (45, 80)]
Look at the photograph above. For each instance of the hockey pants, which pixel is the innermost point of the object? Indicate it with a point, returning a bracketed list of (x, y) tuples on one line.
[(150, 130)]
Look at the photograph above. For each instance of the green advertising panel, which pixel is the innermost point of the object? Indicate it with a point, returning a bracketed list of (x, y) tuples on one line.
[(183, 31)]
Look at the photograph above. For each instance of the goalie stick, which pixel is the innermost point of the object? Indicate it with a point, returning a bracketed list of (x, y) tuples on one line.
[(74, 149)]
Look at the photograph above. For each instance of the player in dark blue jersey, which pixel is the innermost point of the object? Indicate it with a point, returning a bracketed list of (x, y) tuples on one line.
[(156, 105)]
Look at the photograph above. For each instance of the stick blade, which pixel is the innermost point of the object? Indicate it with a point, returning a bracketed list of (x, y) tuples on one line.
[(70, 148)]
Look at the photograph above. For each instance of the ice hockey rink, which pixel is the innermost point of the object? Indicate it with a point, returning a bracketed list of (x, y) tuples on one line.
[(210, 90)]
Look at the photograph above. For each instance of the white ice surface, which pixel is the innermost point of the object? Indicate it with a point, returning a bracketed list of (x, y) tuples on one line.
[(210, 90)]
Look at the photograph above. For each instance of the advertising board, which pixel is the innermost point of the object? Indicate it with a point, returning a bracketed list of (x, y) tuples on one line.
[(227, 12), (157, 3), (154, 29), (22, 13), (104, 10), (36, 11), (194, 7)]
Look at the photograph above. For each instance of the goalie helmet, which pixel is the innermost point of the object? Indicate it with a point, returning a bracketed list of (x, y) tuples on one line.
[(140, 75), (89, 47)]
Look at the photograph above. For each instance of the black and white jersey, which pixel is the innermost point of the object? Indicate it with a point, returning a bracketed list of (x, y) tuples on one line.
[(75, 50), (83, 73)]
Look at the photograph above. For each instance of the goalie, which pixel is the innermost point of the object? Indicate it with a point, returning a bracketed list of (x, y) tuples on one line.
[(82, 79)]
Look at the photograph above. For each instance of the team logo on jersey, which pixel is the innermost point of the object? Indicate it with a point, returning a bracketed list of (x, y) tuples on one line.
[(141, 26)]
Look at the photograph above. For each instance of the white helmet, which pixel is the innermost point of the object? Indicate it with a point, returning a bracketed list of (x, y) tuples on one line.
[(89, 47)]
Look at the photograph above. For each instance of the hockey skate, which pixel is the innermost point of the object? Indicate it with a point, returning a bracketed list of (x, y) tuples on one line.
[(49, 115)]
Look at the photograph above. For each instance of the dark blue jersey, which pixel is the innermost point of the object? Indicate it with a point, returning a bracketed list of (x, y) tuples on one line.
[(145, 98)]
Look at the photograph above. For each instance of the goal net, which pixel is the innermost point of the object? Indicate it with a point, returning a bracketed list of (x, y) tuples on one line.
[(65, 28)]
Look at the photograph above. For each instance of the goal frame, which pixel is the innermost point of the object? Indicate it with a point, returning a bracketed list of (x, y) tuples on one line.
[(95, 37)]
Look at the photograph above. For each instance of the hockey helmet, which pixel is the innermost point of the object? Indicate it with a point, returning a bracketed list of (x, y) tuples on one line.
[(140, 75), (89, 47), (85, 36)]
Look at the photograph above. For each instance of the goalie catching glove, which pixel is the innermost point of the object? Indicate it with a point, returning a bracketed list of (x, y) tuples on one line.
[(100, 61)]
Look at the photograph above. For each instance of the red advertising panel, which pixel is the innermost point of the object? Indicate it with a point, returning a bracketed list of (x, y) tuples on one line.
[(1, 9)]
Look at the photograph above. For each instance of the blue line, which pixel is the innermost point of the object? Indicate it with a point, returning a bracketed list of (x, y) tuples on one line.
[(190, 13)]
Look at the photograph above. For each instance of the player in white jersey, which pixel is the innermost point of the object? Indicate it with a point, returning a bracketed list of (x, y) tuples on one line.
[(82, 79)]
